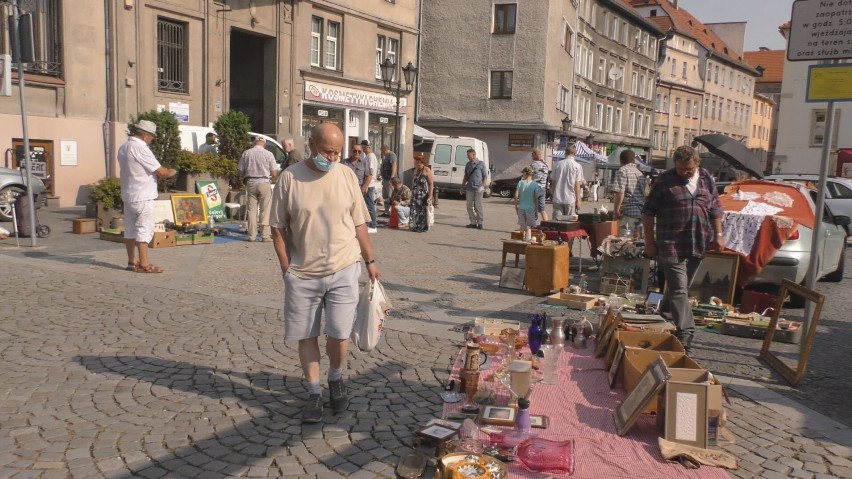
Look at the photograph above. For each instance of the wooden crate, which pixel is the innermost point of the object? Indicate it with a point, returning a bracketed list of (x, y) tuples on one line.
[(573, 301)]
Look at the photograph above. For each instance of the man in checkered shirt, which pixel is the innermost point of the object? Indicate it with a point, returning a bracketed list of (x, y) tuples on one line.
[(629, 191)]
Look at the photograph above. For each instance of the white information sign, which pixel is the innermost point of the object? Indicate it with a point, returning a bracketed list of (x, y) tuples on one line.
[(68, 153), (180, 110), (820, 30)]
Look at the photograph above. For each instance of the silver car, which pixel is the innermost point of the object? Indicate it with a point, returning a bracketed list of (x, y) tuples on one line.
[(15, 181), (838, 191), (794, 258)]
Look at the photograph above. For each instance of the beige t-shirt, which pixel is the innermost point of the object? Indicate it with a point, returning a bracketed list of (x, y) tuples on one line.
[(319, 212)]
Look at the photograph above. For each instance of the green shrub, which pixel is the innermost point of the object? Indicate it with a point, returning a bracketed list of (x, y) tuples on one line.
[(233, 130), (192, 163), (107, 191), (166, 146), (222, 167)]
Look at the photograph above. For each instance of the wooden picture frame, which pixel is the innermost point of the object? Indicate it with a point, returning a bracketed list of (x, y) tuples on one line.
[(792, 376), (609, 329), (615, 367), (637, 269), (686, 413), (436, 433), (538, 421), (189, 209), (716, 276), (444, 423), (498, 415), (646, 390)]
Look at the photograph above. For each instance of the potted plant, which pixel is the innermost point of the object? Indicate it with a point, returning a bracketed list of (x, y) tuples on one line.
[(106, 194)]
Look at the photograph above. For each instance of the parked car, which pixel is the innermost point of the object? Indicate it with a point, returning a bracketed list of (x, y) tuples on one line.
[(16, 181), (838, 191), (505, 187), (793, 259)]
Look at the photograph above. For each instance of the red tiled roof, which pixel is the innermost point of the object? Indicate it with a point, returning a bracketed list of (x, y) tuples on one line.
[(771, 60), (684, 22), (786, 26)]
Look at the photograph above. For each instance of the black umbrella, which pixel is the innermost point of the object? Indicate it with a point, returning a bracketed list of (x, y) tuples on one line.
[(733, 152)]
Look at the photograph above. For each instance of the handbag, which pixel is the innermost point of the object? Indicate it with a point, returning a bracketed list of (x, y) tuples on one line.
[(373, 306), (430, 215)]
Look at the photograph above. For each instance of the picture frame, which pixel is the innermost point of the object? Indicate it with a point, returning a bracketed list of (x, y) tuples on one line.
[(793, 376), (609, 330), (646, 390), (512, 278), (637, 269), (444, 423), (538, 421), (716, 276), (189, 209), (436, 432), (498, 415), (686, 413), (615, 367)]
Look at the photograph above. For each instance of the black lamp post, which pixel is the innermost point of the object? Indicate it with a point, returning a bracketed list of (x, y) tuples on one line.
[(566, 126), (590, 139), (396, 88)]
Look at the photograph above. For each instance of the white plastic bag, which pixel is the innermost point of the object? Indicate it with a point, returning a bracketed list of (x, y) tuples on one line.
[(430, 215), (373, 305)]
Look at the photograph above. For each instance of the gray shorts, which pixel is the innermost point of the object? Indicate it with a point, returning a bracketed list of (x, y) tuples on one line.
[(305, 300), (526, 218)]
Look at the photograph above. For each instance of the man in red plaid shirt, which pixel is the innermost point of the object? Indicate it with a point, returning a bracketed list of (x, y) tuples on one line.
[(685, 204)]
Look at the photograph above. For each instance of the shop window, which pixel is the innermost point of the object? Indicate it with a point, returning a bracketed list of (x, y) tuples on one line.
[(501, 84), (172, 68), (47, 36), (504, 17)]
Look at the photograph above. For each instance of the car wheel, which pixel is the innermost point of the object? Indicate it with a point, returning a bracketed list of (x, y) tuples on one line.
[(837, 275), (6, 209), (505, 192)]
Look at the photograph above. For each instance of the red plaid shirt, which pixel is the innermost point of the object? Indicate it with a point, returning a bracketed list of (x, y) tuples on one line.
[(684, 220)]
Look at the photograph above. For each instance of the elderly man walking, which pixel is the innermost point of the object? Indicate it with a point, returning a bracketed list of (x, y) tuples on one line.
[(258, 166), (629, 191), (140, 170), (320, 235), (566, 185)]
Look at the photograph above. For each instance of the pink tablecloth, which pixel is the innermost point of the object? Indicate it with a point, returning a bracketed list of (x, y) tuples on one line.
[(580, 408)]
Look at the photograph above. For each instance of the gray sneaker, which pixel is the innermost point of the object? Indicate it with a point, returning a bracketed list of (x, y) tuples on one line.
[(312, 411), (339, 396)]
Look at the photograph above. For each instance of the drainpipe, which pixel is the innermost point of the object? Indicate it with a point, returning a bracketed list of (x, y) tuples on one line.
[(108, 57), (205, 74)]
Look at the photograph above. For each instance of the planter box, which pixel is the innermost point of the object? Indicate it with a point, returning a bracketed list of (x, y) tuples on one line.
[(573, 301), (183, 239)]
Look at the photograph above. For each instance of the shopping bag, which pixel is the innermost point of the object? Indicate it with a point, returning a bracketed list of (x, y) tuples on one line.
[(393, 222), (373, 306), (430, 215)]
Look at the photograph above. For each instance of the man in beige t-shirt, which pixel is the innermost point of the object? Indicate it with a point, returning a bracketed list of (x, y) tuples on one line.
[(320, 235)]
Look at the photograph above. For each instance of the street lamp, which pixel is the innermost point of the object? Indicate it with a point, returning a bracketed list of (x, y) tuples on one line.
[(396, 88), (566, 125)]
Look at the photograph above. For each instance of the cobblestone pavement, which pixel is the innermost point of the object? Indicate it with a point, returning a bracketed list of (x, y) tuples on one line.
[(184, 374)]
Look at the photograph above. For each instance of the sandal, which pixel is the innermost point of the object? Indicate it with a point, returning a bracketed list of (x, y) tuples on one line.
[(132, 266), (150, 268)]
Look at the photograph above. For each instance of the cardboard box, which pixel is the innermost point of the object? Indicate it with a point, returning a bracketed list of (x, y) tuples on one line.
[(689, 408), (83, 226), (202, 238), (650, 340), (493, 327), (637, 360), (163, 240), (115, 236), (573, 301), (183, 239)]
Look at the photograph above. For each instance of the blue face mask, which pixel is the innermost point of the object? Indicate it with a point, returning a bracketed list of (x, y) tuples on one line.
[(322, 163)]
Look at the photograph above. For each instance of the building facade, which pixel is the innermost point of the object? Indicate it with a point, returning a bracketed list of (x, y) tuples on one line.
[(770, 64), (287, 64), (504, 75), (615, 65), (762, 116)]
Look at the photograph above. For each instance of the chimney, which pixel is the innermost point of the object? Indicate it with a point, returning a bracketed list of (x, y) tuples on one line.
[(764, 49), (674, 2)]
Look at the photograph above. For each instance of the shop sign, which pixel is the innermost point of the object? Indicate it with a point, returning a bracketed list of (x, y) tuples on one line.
[(521, 142), (383, 120), (180, 110), (350, 97)]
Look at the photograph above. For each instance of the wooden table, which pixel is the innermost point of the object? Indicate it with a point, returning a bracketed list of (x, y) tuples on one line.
[(515, 247)]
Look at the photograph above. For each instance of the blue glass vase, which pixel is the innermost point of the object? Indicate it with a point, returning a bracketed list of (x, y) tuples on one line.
[(536, 332)]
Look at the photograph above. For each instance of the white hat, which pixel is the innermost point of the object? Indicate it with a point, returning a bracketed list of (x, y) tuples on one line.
[(147, 126)]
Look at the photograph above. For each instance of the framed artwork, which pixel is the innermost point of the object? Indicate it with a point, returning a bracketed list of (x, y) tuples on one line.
[(793, 376), (716, 276), (616, 365), (189, 209), (609, 328), (637, 269), (437, 433), (646, 390), (539, 422), (686, 413), (498, 415)]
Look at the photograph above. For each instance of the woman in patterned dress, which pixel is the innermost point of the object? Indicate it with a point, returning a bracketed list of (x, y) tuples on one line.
[(421, 195)]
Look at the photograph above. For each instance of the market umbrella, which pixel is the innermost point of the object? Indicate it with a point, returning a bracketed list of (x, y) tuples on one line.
[(732, 151)]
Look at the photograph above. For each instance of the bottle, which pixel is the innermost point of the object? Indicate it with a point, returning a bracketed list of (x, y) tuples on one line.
[(210, 222), (535, 332), (523, 423), (583, 284)]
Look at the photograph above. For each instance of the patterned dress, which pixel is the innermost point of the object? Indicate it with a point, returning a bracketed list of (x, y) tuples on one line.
[(419, 203)]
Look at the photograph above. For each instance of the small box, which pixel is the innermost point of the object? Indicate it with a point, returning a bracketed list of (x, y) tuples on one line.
[(582, 302), (637, 360), (115, 236), (202, 238), (162, 240), (83, 226), (689, 408), (791, 335), (493, 327), (183, 239)]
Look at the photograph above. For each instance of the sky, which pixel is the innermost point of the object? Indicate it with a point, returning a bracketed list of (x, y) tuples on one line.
[(763, 17)]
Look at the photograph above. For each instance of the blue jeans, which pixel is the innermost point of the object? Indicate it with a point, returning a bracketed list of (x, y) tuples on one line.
[(369, 198)]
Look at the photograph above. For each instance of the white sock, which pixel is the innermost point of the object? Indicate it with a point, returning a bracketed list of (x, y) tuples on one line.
[(315, 388), (335, 374)]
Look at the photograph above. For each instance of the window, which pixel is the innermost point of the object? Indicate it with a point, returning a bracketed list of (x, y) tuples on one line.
[(676, 137), (608, 120), (645, 44), (590, 64), (605, 24), (664, 140), (731, 80), (568, 39), (47, 36), (331, 45), (609, 79), (624, 33), (639, 118), (723, 77), (754, 131), (386, 47), (716, 74), (838, 190), (501, 84), (316, 40), (599, 116), (172, 69), (706, 108), (637, 40), (632, 126), (565, 100), (641, 91), (728, 112), (695, 108), (602, 71), (331, 42), (617, 120), (634, 83), (683, 71), (655, 143), (674, 65), (647, 132), (380, 54), (615, 28), (665, 103), (657, 102), (504, 17)]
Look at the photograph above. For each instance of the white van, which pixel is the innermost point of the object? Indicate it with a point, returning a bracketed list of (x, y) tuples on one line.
[(449, 157), (192, 137)]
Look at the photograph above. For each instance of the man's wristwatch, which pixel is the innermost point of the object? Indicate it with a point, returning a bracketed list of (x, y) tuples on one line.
[(369, 262)]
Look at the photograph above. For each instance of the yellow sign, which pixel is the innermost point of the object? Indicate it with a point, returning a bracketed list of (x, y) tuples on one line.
[(829, 83)]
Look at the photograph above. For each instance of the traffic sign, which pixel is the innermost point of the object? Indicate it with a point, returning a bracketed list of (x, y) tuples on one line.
[(820, 30)]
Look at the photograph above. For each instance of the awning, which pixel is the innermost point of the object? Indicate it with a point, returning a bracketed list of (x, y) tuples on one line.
[(560, 155), (583, 151), (423, 134)]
